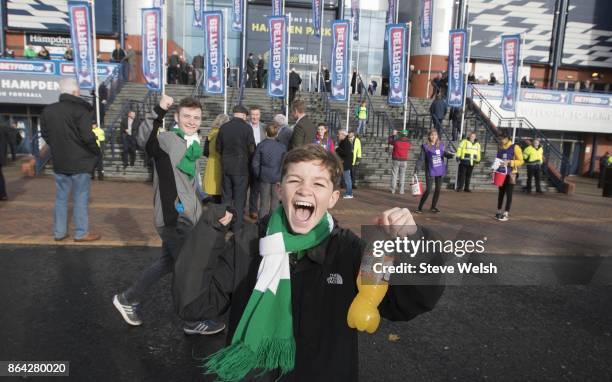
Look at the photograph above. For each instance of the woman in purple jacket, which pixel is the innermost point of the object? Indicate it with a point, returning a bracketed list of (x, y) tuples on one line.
[(432, 157)]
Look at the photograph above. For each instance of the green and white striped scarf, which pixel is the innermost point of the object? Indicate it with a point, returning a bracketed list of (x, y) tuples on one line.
[(263, 340)]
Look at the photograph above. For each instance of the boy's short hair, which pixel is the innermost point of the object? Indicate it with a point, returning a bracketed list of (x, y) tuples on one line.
[(240, 109), (255, 108), (189, 103), (315, 153), (298, 106), (272, 129)]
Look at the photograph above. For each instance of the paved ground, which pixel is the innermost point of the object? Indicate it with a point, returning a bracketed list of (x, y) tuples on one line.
[(122, 213), (56, 299), (56, 305)]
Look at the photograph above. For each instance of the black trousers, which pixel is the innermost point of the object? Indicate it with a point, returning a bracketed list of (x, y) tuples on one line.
[(505, 190), (533, 171), (129, 149), (429, 181), (292, 92), (2, 183), (234, 193), (354, 174), (253, 195), (100, 163), (465, 175)]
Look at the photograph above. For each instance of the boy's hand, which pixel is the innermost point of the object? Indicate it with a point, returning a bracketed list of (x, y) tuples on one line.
[(165, 102), (397, 222), (225, 220)]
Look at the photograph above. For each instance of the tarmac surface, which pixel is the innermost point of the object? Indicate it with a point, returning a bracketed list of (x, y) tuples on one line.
[(55, 298), (56, 305)]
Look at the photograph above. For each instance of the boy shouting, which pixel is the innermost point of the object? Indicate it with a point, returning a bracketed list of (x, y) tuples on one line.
[(289, 280)]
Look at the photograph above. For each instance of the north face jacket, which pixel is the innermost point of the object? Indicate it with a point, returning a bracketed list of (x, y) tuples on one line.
[(212, 276)]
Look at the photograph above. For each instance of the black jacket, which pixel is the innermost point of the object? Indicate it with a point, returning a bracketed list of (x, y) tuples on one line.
[(345, 152), (124, 126), (212, 276), (268, 160), (294, 80), (304, 132), (198, 62), (66, 127), (236, 145), (4, 132)]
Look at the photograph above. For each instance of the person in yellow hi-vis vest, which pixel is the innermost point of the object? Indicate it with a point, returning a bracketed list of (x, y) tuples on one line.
[(534, 158), (361, 113), (468, 155), (100, 138), (356, 142)]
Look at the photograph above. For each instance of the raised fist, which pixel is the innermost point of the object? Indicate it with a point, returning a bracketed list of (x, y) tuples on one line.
[(166, 102)]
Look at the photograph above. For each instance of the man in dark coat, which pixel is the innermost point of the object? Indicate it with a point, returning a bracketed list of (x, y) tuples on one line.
[(236, 145), (250, 68), (260, 71), (174, 68), (294, 85), (66, 126), (4, 130), (304, 130), (129, 126), (118, 54), (438, 112)]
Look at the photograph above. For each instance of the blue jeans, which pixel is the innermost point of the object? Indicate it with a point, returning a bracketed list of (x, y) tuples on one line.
[(347, 182), (80, 185), (362, 126)]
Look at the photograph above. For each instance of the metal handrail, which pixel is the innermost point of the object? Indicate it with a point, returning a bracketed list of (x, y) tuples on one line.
[(553, 156)]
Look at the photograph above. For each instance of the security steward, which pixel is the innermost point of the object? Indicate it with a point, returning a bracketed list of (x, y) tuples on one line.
[(468, 155), (534, 157)]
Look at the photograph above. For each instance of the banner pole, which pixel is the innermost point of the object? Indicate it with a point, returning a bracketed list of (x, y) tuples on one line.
[(164, 52), (320, 79), (518, 92), (225, 63), (350, 70), (244, 57), (184, 22), (409, 25), (287, 70), (465, 83), (95, 61), (433, 21), (397, 11), (204, 7)]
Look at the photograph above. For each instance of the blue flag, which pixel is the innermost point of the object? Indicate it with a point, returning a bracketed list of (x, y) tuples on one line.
[(511, 49), (396, 46), (355, 16), (215, 57), (197, 13), (277, 64), (151, 48), (391, 10), (456, 67), (81, 33), (341, 35), (316, 17), (237, 15), (277, 7), (426, 22)]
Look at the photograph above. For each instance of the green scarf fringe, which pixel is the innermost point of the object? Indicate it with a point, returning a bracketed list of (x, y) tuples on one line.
[(188, 163), (234, 362)]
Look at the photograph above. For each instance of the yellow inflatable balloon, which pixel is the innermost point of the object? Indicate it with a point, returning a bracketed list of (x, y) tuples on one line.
[(363, 312)]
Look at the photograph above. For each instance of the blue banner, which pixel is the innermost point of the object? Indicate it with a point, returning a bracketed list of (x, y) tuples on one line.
[(81, 33), (151, 48), (214, 53), (391, 10), (355, 16), (511, 48), (341, 40), (316, 17), (237, 15), (277, 7), (426, 22), (197, 13), (50, 67), (456, 67), (277, 63), (396, 47), (1, 29)]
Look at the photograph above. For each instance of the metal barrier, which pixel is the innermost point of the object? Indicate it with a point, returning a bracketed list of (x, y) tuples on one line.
[(556, 164)]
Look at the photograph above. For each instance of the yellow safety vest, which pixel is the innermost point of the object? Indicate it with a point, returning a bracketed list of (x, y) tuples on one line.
[(533, 155), (363, 112), (99, 133), (469, 151)]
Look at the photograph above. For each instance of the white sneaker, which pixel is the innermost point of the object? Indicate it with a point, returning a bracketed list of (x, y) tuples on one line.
[(504, 217), (347, 197)]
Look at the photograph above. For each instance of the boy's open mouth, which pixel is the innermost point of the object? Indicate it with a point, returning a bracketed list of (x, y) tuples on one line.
[(303, 210)]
